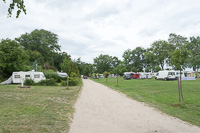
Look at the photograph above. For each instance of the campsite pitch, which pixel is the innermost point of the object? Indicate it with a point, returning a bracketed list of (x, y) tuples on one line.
[(39, 109), (100, 109)]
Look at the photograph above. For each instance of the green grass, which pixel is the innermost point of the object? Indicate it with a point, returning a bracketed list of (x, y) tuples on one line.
[(162, 95), (37, 109)]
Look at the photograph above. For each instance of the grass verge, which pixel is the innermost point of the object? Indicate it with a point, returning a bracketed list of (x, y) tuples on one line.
[(36, 109), (162, 95)]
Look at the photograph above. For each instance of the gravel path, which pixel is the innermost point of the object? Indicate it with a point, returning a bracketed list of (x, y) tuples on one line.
[(100, 109)]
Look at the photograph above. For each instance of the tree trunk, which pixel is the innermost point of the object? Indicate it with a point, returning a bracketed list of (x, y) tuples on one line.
[(181, 88), (117, 80)]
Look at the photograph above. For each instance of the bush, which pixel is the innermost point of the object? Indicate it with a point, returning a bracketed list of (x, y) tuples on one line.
[(29, 82), (64, 83), (73, 81), (47, 82)]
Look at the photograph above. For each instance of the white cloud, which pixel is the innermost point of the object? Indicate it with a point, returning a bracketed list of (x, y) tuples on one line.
[(87, 28)]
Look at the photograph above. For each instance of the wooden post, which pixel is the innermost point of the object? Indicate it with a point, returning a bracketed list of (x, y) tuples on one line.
[(67, 81)]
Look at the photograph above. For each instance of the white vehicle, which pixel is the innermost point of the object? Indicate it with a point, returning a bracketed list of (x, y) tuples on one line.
[(17, 77), (144, 75), (166, 75), (61, 74), (177, 74)]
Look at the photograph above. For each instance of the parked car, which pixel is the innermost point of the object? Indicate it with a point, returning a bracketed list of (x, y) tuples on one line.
[(136, 75), (85, 77)]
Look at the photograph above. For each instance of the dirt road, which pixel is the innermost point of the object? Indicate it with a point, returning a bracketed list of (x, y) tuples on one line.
[(100, 109)]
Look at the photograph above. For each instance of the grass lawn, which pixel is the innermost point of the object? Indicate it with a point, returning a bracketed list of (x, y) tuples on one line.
[(162, 95), (36, 109)]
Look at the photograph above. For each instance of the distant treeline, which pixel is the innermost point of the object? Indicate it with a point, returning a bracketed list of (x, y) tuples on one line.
[(39, 50)]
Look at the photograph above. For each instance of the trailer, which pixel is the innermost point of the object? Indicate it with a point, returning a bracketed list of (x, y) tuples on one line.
[(17, 77)]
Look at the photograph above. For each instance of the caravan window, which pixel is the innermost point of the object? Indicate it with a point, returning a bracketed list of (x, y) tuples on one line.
[(17, 76), (37, 76), (28, 76)]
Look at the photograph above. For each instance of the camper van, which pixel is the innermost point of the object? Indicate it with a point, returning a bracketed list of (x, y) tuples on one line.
[(166, 75), (17, 77)]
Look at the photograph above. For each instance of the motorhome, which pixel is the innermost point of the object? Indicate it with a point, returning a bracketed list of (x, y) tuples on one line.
[(166, 75), (17, 77)]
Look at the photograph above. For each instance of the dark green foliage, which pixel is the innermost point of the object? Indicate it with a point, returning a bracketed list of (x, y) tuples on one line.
[(43, 45), (74, 81), (12, 57), (47, 82), (29, 82)]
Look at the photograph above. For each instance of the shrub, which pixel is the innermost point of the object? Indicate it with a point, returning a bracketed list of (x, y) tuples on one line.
[(64, 83), (73, 81), (47, 82), (29, 82)]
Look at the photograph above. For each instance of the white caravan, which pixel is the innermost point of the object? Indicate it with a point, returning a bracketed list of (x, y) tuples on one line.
[(17, 77), (166, 75), (144, 75), (61, 74)]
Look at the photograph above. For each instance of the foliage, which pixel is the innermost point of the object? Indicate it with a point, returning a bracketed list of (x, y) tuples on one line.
[(47, 82), (74, 81), (157, 69), (106, 74), (20, 7), (12, 57), (29, 82), (194, 56), (42, 41), (103, 63)]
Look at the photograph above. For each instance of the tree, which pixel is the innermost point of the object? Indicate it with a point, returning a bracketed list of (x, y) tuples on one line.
[(160, 51), (42, 41), (16, 3), (106, 74), (179, 57), (127, 59), (137, 58), (150, 58), (194, 56), (65, 65), (12, 57), (103, 63)]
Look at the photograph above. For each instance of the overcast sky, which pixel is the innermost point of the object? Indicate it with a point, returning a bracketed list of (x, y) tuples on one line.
[(88, 28)]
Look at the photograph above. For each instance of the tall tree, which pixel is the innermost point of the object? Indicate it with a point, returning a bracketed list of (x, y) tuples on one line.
[(42, 41), (161, 51), (103, 63), (12, 57), (194, 47), (137, 58), (127, 59)]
